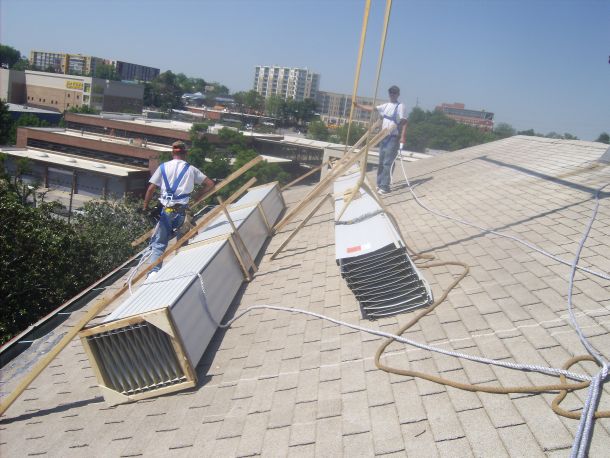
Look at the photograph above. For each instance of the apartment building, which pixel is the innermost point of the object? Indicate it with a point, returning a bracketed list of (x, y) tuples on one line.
[(288, 83), (78, 64), (334, 108), (480, 119), (60, 92)]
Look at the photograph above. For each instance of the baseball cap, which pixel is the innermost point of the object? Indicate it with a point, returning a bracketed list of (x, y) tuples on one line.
[(394, 89), (178, 146)]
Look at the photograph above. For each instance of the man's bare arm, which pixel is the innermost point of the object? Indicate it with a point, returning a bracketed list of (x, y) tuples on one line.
[(149, 193)]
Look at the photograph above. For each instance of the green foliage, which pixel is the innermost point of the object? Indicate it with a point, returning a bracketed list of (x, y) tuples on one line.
[(504, 130), (6, 124), (44, 262), (105, 71), (317, 130), (433, 129), (24, 120), (603, 138), (200, 146), (22, 64), (163, 92), (110, 226), (84, 109), (251, 100), (190, 85), (340, 134), (290, 112), (9, 55)]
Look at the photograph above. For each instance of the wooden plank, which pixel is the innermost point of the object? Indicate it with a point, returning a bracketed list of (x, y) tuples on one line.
[(96, 309), (237, 235), (229, 179), (305, 175), (301, 224), (240, 260)]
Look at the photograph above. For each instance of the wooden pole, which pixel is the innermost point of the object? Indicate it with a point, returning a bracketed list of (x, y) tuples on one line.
[(96, 309), (305, 175), (229, 179), (301, 224), (237, 235)]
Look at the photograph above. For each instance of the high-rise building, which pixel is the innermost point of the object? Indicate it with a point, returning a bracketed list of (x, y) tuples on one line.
[(288, 83), (78, 64), (480, 119)]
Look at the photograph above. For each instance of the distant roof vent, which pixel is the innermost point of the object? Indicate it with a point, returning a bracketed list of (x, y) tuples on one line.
[(99, 166), (41, 154), (605, 157), (69, 159)]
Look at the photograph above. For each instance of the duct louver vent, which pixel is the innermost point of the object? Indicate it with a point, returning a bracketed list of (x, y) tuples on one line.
[(373, 257), (136, 358)]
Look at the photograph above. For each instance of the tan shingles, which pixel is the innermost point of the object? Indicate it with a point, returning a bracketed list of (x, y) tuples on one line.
[(274, 369)]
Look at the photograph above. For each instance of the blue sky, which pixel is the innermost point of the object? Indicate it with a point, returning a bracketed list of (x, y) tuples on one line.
[(540, 64)]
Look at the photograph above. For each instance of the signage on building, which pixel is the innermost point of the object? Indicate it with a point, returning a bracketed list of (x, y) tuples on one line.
[(74, 85)]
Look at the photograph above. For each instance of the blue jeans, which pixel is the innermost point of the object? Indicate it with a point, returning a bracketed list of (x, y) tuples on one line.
[(168, 226), (388, 150)]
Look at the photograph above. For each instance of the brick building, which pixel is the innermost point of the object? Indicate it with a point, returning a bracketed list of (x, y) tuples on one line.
[(480, 119)]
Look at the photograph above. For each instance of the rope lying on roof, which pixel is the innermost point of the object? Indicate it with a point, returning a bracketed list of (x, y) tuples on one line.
[(589, 414)]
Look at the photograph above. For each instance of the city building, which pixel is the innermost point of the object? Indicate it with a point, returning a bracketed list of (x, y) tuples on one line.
[(334, 108), (135, 72), (75, 174), (134, 151), (78, 64), (288, 83), (480, 119), (59, 92)]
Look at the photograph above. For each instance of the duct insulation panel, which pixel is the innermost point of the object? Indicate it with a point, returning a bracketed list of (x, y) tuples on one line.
[(152, 342), (373, 257)]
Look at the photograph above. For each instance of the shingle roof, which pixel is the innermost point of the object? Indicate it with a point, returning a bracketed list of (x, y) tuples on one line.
[(283, 384)]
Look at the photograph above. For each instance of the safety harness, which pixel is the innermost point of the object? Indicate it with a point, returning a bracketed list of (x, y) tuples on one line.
[(169, 193), (392, 118)]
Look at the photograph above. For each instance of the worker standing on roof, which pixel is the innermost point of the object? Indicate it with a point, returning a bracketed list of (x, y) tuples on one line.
[(394, 116), (177, 179)]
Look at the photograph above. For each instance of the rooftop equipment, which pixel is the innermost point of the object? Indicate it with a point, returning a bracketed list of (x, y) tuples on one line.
[(151, 344), (373, 257)]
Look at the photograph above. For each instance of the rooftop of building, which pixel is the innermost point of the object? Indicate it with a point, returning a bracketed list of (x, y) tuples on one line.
[(277, 383), (72, 161)]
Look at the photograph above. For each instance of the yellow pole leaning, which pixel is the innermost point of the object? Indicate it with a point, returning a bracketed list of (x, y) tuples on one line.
[(365, 22)]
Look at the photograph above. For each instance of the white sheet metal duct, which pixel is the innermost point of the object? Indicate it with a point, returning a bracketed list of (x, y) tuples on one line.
[(140, 352), (373, 257)]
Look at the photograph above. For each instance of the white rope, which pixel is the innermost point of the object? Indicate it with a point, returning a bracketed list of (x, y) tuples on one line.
[(603, 275), (583, 435), (582, 439)]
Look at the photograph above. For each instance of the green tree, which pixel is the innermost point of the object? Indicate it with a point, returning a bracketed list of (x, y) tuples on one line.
[(355, 133), (6, 124), (163, 92), (318, 131), (9, 56), (45, 262), (504, 130), (25, 120), (275, 106), (106, 71), (200, 146), (110, 226), (603, 138)]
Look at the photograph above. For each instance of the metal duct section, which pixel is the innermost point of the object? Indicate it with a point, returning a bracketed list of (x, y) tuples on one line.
[(150, 344), (373, 257), (136, 358)]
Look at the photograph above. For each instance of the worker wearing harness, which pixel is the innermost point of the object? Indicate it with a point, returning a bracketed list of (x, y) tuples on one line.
[(176, 178), (394, 117)]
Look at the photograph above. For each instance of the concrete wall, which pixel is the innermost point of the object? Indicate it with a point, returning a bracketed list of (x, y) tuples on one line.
[(12, 86)]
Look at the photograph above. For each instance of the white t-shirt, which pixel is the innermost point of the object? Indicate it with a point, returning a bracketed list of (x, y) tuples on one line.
[(173, 168), (387, 109)]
